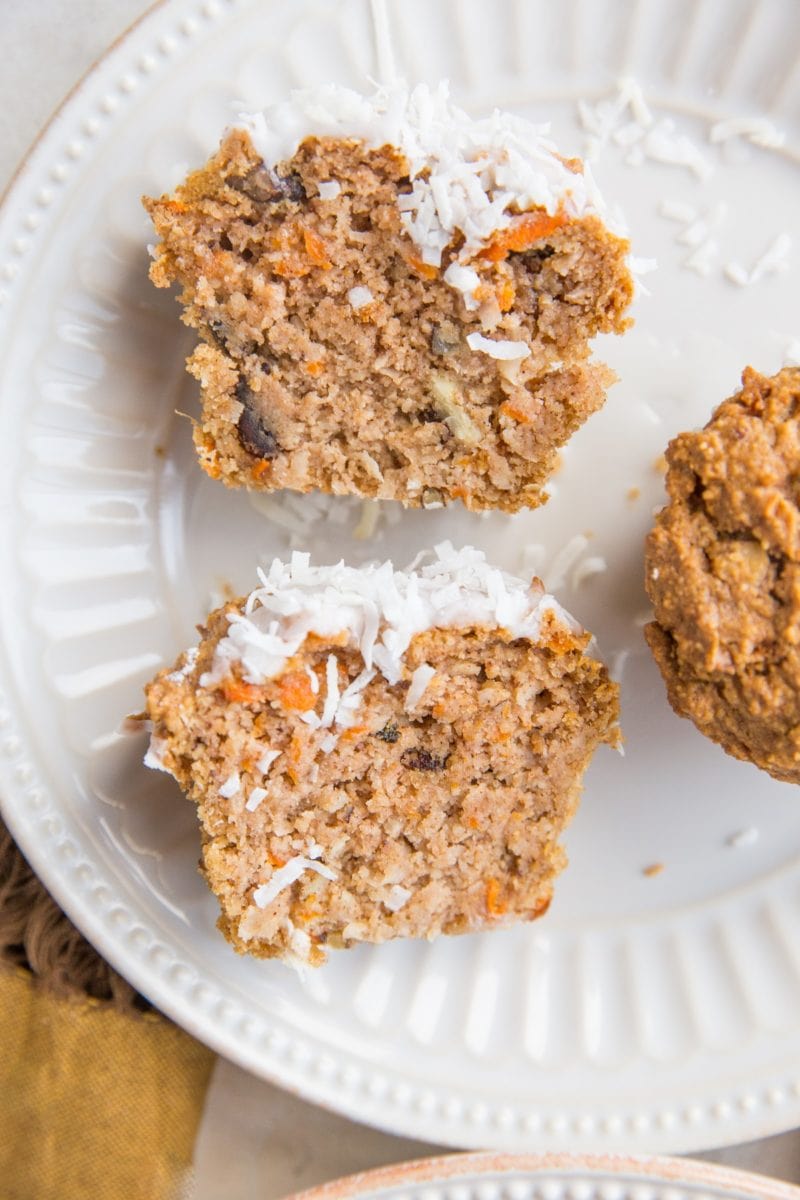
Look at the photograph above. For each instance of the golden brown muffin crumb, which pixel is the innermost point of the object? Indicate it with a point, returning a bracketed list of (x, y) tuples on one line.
[(723, 573), (334, 358)]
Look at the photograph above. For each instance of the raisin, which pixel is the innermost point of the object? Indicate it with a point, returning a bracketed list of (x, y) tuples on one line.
[(389, 733), (418, 759), (429, 415), (253, 433), (267, 187), (445, 338)]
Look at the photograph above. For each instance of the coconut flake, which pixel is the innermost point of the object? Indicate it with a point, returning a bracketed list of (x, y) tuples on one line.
[(154, 756), (502, 348), (758, 130), (678, 210), (593, 565), (329, 189), (420, 678), (359, 297), (774, 260), (468, 176), (397, 898), (565, 560), (286, 875), (332, 697), (313, 679), (255, 798), (702, 259), (266, 760), (378, 609), (231, 786), (465, 280), (190, 658)]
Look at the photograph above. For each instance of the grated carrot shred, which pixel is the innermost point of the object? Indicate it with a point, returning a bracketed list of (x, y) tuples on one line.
[(505, 295), (523, 232), (290, 268), (236, 691), (426, 270), (495, 906), (295, 691), (509, 409), (315, 368), (316, 249), (260, 468), (355, 731)]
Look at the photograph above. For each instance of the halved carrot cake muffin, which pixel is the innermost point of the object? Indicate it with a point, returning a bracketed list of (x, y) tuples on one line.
[(395, 300), (378, 753)]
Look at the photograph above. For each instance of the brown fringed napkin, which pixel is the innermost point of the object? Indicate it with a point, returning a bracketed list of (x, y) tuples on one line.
[(99, 1094)]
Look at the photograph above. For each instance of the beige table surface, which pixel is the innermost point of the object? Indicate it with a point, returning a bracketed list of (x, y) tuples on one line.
[(254, 1141)]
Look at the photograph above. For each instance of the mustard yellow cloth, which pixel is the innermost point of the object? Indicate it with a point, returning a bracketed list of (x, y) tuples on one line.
[(94, 1103)]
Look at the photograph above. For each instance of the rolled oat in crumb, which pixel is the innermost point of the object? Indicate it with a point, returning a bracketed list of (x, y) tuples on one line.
[(378, 754), (392, 298)]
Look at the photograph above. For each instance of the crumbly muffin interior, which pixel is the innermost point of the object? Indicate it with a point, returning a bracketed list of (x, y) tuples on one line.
[(723, 573), (334, 358), (440, 816)]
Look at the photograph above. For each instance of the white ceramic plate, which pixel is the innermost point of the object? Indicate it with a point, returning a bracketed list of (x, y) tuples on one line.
[(553, 1177), (651, 1011)]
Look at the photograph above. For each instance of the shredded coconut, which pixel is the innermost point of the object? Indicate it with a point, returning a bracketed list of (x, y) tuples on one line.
[(332, 697), (154, 757), (465, 280), (360, 297), (420, 678), (759, 130), (737, 274), (268, 758), (593, 565), (702, 259), (286, 875), (501, 348), (468, 176), (678, 210), (617, 665), (397, 898), (774, 261), (380, 610), (329, 189), (565, 560), (231, 786), (313, 679), (255, 798), (187, 668), (642, 135)]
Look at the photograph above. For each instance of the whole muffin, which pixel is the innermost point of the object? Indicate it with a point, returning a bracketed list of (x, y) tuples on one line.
[(722, 572)]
